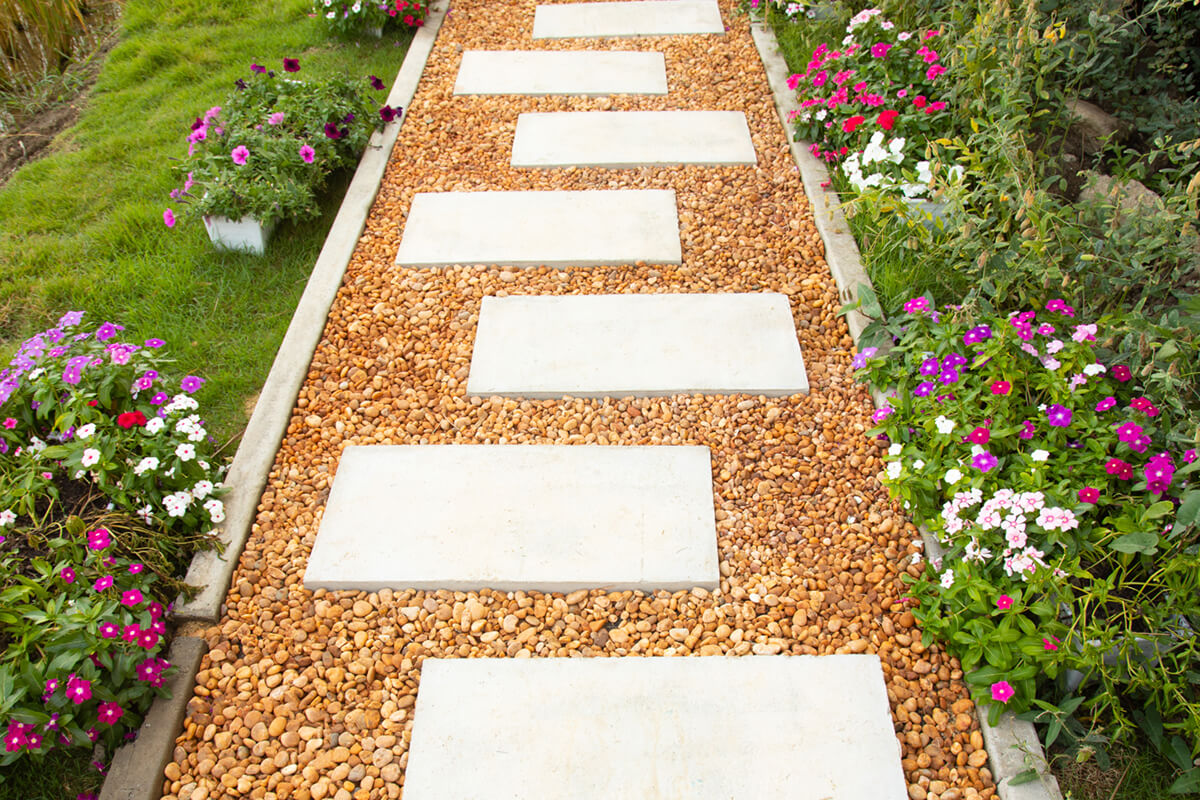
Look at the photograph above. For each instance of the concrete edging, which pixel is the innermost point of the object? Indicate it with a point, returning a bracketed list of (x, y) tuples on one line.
[(1011, 739), (136, 772)]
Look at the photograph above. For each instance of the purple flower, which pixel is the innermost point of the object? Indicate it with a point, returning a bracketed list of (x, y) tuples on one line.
[(70, 319), (954, 360), (860, 360), (191, 383), (1106, 404), (154, 343), (980, 333), (924, 389), (930, 366), (949, 375), (307, 153), (107, 331), (387, 113), (169, 218), (159, 399), (291, 65), (984, 461), (1058, 416), (331, 131), (258, 68), (376, 84), (882, 413)]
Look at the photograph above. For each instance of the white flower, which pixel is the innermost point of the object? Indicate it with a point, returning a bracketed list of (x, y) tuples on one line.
[(977, 553), (1040, 455), (145, 465), (893, 469), (1094, 369), (202, 489), (146, 513), (895, 449), (36, 446), (357, 7), (216, 510), (918, 464), (947, 579), (154, 425), (953, 476), (7, 517), (85, 431), (944, 425), (915, 559), (904, 36), (197, 435), (90, 456), (185, 452)]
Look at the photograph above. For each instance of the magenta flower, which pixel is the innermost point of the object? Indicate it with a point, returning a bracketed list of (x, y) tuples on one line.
[(15, 738), (98, 539), (307, 153), (291, 65), (79, 691), (1189, 456), (1004, 602), (159, 399), (108, 713), (191, 383), (980, 333), (1128, 432), (169, 218), (67, 574), (131, 633), (103, 583), (131, 597), (275, 118), (930, 366), (109, 630), (1122, 469), (879, 49), (387, 113), (154, 343), (924, 389), (51, 687), (240, 154), (1001, 387), (1002, 691), (331, 131), (1061, 307), (1088, 495), (1106, 404), (984, 461), (1121, 373), (259, 68), (147, 639), (134, 569), (979, 436), (1159, 472), (916, 305), (155, 610), (1049, 645), (1058, 416)]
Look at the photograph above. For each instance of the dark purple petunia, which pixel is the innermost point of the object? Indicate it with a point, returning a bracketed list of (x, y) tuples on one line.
[(376, 84), (239, 83), (387, 113), (331, 131), (198, 124), (291, 65), (259, 68), (346, 120)]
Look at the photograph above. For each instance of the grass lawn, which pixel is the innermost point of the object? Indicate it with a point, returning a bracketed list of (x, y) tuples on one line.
[(83, 228)]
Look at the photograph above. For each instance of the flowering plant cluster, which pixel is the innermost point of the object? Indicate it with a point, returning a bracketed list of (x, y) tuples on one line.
[(1067, 518), (91, 428), (266, 152), (352, 18), (870, 102), (83, 636)]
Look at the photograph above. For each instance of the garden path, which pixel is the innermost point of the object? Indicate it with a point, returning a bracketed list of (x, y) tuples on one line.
[(311, 694)]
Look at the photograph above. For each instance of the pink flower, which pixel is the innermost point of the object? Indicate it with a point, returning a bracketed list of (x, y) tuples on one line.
[(1060, 307), (240, 154), (1027, 430), (879, 49), (794, 80), (131, 597), (275, 118), (67, 574), (1106, 404), (169, 218), (934, 71), (1088, 495), (820, 79), (307, 153), (103, 583), (979, 436), (1001, 387), (1189, 456), (1049, 645), (79, 691), (916, 305), (134, 569), (1084, 333), (1002, 691), (98, 539), (109, 630), (1128, 432), (108, 713), (131, 633), (985, 461), (147, 639), (1121, 373), (1004, 602)]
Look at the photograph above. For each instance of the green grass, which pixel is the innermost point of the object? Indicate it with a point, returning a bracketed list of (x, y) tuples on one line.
[(82, 228), (1136, 772), (62, 775)]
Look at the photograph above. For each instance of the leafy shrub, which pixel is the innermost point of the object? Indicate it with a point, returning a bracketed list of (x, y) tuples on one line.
[(353, 18), (267, 151), (108, 483), (1068, 519)]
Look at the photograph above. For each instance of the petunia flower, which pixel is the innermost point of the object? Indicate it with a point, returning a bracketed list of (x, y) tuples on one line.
[(376, 83), (169, 218), (240, 154), (307, 153), (291, 65)]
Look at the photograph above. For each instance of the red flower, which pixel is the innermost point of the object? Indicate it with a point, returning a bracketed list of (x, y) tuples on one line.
[(1121, 373), (979, 436), (291, 65), (1088, 495), (849, 125), (919, 101), (1001, 387), (131, 418), (887, 119)]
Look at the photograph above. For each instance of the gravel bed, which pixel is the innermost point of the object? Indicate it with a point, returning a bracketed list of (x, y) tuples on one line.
[(310, 694)]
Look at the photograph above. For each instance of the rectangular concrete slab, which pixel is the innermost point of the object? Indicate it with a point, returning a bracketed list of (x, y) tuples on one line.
[(642, 18), (525, 229), (641, 345), (797, 727), (568, 72), (510, 517), (632, 138)]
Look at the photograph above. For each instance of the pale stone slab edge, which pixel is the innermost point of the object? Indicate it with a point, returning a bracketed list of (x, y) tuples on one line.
[(256, 453), (137, 768), (1009, 740)]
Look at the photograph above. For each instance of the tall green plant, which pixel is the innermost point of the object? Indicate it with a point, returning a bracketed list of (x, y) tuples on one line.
[(35, 36)]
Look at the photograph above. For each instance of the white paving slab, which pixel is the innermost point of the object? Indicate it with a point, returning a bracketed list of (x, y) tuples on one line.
[(796, 727), (641, 18), (509, 517), (632, 138), (524, 229), (568, 72), (641, 345)]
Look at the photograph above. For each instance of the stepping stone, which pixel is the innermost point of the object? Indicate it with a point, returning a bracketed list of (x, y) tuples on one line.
[(808, 727), (569, 72), (526, 229), (640, 345), (511, 517), (642, 18), (632, 138)]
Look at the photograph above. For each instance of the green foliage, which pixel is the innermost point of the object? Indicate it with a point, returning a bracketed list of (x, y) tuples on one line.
[(267, 150)]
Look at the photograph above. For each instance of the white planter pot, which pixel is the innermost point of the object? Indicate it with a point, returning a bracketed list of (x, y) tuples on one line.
[(374, 31), (245, 235)]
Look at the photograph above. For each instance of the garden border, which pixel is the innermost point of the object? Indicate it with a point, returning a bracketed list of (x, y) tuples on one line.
[(136, 772), (1009, 741)]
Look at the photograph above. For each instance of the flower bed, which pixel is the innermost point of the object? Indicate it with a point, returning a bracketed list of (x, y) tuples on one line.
[(350, 19), (108, 484)]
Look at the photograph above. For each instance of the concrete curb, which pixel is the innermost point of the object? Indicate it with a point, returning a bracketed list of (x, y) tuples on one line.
[(136, 772), (1008, 742)]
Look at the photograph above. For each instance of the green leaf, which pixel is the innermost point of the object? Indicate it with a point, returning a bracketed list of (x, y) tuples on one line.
[(1026, 776), (1159, 509), (1053, 730), (1189, 509), (1139, 542), (1187, 782), (869, 301), (1178, 751)]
